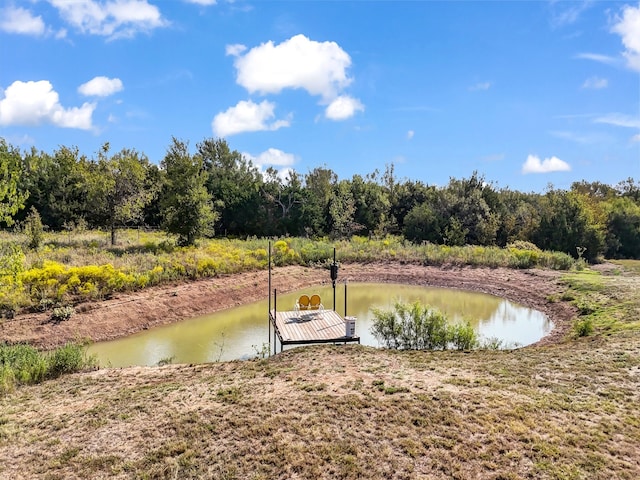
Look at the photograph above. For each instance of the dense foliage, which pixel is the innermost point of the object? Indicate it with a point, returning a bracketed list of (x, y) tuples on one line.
[(420, 327), (216, 189)]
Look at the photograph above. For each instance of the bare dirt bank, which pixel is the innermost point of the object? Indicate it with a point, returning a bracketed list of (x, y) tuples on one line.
[(129, 313)]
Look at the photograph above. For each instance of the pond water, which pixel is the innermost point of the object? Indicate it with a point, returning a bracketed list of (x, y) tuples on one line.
[(242, 332)]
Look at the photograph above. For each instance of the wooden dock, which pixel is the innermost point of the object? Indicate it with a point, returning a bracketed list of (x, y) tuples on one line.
[(310, 326)]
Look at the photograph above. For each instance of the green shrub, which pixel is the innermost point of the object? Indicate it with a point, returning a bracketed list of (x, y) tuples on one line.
[(585, 307), (61, 314), (34, 229), (413, 327), (27, 364), (68, 359), (524, 245), (523, 258), (463, 336), (583, 327), (7, 379), (24, 364)]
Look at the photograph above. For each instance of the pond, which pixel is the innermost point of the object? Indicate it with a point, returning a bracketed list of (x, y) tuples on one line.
[(242, 332)]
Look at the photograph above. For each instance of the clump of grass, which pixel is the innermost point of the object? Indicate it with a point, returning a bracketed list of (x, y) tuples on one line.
[(165, 361), (584, 327), (230, 395), (387, 389), (492, 343), (24, 364)]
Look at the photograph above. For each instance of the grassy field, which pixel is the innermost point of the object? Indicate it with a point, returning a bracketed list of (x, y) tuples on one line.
[(565, 411)]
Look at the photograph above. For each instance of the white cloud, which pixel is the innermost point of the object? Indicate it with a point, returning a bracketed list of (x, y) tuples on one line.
[(480, 86), (410, 134), (628, 27), (235, 49), (563, 15), (202, 2), (533, 164), (34, 103), (320, 68), (247, 116), (619, 120), (112, 18), (582, 138), (595, 83), (21, 21), (596, 57), (343, 107), (101, 87), (636, 138), (273, 156)]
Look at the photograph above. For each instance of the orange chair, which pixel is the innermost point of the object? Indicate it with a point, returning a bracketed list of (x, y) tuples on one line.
[(302, 303), (315, 303)]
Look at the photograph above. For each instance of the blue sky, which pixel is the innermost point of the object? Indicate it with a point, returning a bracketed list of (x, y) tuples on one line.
[(526, 93)]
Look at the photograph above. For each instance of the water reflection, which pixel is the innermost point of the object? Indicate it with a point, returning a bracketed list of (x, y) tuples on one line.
[(241, 332)]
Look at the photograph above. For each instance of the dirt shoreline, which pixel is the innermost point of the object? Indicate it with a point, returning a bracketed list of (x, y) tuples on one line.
[(125, 314)]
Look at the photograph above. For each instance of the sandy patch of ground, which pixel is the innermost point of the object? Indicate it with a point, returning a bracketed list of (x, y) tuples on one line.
[(129, 313)]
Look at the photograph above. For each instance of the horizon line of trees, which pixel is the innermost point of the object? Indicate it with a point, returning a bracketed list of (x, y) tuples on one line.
[(217, 191)]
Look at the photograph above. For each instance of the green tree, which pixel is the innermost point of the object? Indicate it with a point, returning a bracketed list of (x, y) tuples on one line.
[(342, 209), (594, 189), (185, 203), (519, 215), (57, 186), (12, 198), (34, 229), (319, 184), (372, 204), (629, 188), (422, 223), (470, 202), (623, 229), (284, 199), (407, 196), (567, 224), (234, 184), (117, 188), (154, 182)]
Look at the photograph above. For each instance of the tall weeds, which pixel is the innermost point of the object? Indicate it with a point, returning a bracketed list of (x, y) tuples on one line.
[(24, 365), (71, 268)]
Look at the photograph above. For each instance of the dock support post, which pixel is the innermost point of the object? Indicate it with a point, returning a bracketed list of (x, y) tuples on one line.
[(269, 291), (345, 299), (275, 316), (334, 277)]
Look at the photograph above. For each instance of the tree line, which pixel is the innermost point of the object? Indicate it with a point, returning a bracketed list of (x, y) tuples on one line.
[(217, 191)]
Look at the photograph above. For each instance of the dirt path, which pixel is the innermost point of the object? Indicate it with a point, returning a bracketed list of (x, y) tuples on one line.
[(125, 314)]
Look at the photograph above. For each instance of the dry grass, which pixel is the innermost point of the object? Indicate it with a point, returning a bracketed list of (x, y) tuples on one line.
[(565, 411)]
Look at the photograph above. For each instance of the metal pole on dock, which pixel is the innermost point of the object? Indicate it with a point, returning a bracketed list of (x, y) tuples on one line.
[(275, 315), (334, 277), (345, 299), (269, 292)]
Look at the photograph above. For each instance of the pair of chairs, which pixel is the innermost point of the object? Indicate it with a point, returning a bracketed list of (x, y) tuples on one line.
[(306, 302)]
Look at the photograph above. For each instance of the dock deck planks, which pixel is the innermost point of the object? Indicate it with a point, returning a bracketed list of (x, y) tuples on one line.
[(310, 326)]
